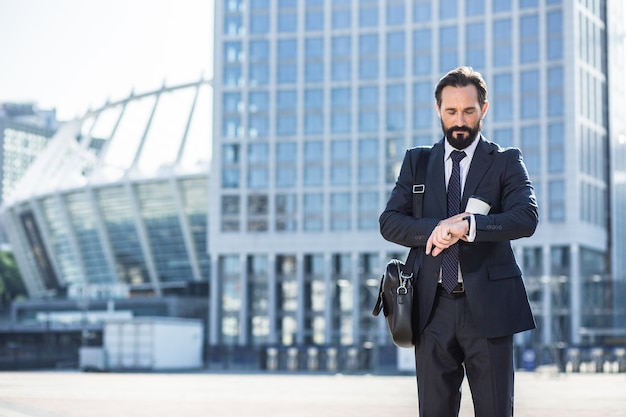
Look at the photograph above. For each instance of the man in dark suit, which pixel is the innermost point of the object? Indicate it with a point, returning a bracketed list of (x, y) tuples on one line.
[(467, 326)]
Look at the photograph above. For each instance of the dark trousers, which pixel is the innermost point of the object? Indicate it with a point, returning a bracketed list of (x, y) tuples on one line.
[(451, 347)]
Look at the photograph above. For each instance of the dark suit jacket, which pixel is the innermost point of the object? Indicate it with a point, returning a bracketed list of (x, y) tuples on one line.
[(493, 280)]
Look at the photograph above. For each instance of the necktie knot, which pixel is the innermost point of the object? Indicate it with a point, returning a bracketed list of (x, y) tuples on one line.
[(457, 156)]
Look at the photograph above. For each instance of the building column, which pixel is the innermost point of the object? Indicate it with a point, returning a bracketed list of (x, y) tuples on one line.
[(244, 313), (356, 298), (546, 296), (272, 299), (300, 312), (215, 290), (330, 291), (576, 307)]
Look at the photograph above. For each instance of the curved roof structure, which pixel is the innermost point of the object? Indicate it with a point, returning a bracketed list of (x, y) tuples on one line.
[(158, 133), (118, 199)]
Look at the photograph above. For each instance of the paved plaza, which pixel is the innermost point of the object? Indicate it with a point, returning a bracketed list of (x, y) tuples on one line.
[(77, 394)]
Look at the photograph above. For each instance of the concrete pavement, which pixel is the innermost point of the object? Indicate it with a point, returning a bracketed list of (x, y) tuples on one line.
[(77, 394)]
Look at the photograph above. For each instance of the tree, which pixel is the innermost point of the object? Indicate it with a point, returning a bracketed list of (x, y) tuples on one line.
[(11, 283)]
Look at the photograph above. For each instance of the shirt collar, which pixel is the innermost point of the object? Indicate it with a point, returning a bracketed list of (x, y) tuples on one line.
[(469, 151)]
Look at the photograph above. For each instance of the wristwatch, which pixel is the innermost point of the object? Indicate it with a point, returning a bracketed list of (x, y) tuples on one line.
[(469, 223)]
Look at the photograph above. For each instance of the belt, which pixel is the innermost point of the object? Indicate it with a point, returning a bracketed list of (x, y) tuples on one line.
[(457, 291)]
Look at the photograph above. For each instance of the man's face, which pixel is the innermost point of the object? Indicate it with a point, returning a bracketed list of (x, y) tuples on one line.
[(461, 115)]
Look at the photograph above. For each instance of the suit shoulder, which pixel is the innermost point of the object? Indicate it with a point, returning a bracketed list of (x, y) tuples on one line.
[(509, 150), (419, 148)]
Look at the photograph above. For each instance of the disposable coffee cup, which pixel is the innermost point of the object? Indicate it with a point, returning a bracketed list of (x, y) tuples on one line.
[(477, 205)]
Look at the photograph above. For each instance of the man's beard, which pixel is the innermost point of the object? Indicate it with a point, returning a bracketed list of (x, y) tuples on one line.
[(463, 141)]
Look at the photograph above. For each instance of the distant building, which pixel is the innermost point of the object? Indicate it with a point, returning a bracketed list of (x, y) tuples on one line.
[(24, 133)]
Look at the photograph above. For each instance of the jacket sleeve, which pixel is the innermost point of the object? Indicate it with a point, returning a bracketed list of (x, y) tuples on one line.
[(397, 223), (517, 214)]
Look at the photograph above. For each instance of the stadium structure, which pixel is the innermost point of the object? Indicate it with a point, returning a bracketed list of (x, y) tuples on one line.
[(112, 219)]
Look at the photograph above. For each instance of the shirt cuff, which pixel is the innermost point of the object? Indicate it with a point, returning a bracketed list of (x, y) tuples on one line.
[(471, 234)]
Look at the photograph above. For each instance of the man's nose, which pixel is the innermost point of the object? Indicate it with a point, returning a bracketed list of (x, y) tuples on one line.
[(459, 119)]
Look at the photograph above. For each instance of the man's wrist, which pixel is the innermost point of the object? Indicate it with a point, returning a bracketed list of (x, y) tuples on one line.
[(469, 224)]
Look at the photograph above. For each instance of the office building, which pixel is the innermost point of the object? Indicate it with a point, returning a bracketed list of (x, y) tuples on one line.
[(315, 102)]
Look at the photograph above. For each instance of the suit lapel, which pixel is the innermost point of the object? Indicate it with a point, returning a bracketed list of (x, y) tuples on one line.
[(437, 179), (482, 160)]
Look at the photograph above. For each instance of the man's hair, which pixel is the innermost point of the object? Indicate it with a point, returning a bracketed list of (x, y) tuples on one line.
[(462, 77)]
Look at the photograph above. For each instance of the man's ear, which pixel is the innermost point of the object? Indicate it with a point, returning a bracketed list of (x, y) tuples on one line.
[(438, 110), (484, 109)]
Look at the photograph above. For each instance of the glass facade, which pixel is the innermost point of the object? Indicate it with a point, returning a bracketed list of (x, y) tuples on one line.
[(338, 96)]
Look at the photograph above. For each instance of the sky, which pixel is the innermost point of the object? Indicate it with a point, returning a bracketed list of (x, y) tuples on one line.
[(74, 55)]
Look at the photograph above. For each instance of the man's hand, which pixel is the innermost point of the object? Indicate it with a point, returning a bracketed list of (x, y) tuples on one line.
[(447, 233)]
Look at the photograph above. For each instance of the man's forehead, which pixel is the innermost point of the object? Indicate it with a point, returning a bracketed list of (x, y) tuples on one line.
[(452, 95)]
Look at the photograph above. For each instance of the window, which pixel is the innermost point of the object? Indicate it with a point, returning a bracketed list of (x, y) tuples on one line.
[(395, 54), (258, 101), (368, 16), (257, 213), (423, 107), (368, 57), (502, 43), (556, 200), (475, 8), (286, 152), (503, 97), (556, 148), (231, 102), (422, 61), (313, 123), (368, 161), (341, 18), (422, 11), (530, 140), (555, 34), (529, 36), (447, 48), (529, 85), (501, 5), (313, 208), (230, 154), (287, 21), (314, 48), (448, 9), (504, 137), (395, 14), (259, 125), (368, 109), (555, 91), (259, 23), (314, 99), (313, 151), (340, 150), (525, 4), (340, 209), (340, 51), (286, 212), (313, 163), (475, 44), (314, 20), (368, 211)]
